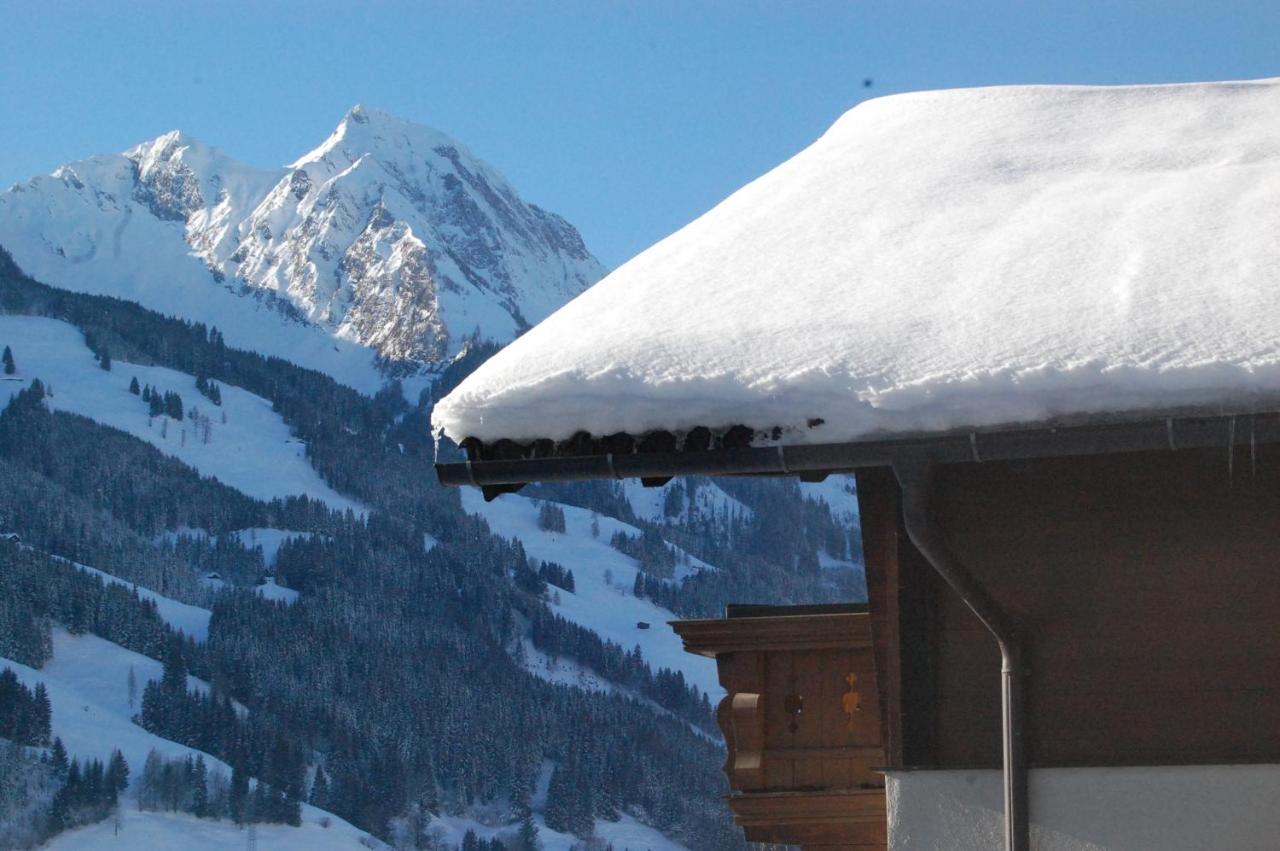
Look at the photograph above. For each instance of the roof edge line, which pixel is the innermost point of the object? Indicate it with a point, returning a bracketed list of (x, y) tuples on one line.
[(1169, 434)]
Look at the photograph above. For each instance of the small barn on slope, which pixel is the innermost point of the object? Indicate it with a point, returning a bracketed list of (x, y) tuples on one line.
[(1041, 325)]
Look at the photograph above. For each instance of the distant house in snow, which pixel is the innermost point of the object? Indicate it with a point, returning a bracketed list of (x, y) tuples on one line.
[(1042, 327)]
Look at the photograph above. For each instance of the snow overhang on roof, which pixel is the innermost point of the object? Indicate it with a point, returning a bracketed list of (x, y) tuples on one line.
[(937, 262)]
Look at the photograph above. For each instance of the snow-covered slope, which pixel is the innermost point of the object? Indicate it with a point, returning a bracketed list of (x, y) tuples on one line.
[(390, 240), (937, 260), (603, 578), (694, 499), (251, 441), (192, 620), (156, 830), (87, 679)]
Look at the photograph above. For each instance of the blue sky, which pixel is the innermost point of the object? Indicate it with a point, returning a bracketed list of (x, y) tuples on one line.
[(629, 119)]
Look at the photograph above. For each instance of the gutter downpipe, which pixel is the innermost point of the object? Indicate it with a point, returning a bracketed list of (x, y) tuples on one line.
[(916, 476)]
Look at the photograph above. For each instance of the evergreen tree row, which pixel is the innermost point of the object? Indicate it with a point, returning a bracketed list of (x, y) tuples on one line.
[(209, 722), (36, 588), (25, 714)]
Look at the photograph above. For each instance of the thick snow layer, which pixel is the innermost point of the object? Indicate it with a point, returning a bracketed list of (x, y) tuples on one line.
[(938, 260), (603, 604), (252, 451)]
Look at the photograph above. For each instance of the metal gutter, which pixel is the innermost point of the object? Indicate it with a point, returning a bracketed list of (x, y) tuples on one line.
[(817, 460), (916, 476)]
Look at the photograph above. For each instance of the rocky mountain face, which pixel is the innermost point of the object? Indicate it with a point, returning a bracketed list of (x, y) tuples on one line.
[(390, 237)]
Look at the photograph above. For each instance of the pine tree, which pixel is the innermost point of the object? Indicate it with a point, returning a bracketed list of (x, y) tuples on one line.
[(133, 386), (43, 726), (58, 757), (528, 835), (320, 789), (560, 810), (200, 788), (151, 784), (9, 366), (104, 360), (239, 799), (117, 777)]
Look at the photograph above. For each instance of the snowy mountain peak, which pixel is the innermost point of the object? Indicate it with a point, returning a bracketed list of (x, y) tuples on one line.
[(367, 132), (389, 235)]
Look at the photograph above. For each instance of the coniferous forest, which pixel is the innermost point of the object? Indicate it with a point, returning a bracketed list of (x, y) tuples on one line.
[(392, 689)]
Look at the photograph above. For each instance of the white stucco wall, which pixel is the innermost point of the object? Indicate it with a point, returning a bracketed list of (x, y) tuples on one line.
[(1183, 808)]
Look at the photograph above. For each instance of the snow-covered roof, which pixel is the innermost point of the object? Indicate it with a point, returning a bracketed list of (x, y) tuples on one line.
[(937, 260)]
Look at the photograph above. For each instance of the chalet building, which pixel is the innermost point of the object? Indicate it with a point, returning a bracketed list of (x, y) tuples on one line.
[(1041, 326)]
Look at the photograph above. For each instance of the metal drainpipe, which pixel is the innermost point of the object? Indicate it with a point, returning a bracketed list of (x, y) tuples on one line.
[(916, 477)]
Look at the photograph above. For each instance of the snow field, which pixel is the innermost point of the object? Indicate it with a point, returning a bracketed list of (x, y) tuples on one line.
[(269, 539), (87, 680), (156, 831), (192, 620), (252, 451), (626, 834), (710, 501), (609, 610)]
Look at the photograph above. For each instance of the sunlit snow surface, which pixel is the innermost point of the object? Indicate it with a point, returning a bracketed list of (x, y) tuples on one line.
[(252, 451), (937, 260)]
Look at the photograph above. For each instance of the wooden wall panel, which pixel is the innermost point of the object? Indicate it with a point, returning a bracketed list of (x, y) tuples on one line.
[(1149, 587)]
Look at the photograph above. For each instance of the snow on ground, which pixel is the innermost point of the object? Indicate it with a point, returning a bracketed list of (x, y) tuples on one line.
[(87, 679), (269, 539), (709, 501), (192, 620), (609, 610), (252, 451), (271, 591), (155, 831), (562, 671), (626, 834), (937, 260), (840, 495)]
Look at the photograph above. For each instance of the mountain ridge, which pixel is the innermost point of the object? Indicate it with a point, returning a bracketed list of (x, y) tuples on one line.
[(383, 251)]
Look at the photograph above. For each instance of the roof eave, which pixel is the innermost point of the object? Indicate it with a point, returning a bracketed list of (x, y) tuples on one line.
[(815, 461)]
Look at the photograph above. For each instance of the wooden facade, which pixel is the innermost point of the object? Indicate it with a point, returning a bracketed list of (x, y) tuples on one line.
[(1146, 585), (801, 721)]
